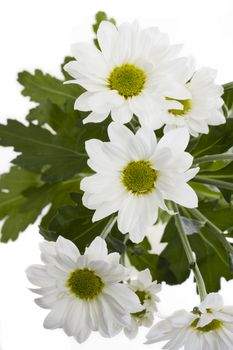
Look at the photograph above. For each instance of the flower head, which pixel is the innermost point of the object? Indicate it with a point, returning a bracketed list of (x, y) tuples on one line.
[(135, 175), (141, 283), (131, 74), (207, 327), (203, 108), (83, 292)]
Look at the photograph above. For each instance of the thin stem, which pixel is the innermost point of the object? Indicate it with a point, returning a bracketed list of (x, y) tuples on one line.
[(107, 229), (218, 233), (217, 183), (213, 157), (190, 255)]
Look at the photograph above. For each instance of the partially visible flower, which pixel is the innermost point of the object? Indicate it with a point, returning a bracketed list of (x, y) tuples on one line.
[(209, 327), (141, 283), (203, 108), (83, 292), (131, 74), (135, 175)]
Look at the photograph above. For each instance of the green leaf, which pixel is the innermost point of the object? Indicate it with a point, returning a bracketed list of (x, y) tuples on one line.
[(225, 173), (12, 186), (203, 191), (218, 140), (228, 95), (141, 258), (212, 257), (218, 213), (23, 197), (41, 87), (42, 151), (74, 222), (174, 254)]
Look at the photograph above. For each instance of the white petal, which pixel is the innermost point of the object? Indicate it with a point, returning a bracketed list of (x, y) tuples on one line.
[(216, 118), (66, 247), (82, 102), (90, 59), (125, 297), (183, 195), (145, 277), (95, 117), (177, 140), (148, 137), (119, 134), (107, 36), (122, 114), (37, 275), (97, 249), (212, 301), (104, 101), (57, 315)]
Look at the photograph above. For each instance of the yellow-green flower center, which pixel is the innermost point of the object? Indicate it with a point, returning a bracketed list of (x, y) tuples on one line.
[(139, 177), (85, 284), (128, 80), (187, 104), (212, 326)]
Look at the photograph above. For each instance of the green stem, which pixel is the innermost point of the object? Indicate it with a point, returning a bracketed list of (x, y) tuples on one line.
[(218, 183), (213, 157), (107, 229), (216, 231), (190, 255)]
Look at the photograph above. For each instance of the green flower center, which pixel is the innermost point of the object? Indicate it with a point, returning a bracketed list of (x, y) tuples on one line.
[(187, 104), (85, 284), (138, 177), (212, 326), (128, 80)]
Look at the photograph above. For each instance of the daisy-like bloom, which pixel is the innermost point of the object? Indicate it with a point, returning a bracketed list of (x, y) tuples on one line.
[(131, 74), (141, 283), (83, 292), (208, 327), (203, 108), (135, 174)]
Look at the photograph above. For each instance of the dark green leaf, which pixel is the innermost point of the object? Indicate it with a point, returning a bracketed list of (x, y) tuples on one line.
[(218, 140), (41, 87), (228, 95), (12, 185), (174, 253), (41, 151), (212, 259), (75, 223)]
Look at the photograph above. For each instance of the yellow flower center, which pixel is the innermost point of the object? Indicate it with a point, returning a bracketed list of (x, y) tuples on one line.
[(187, 104), (85, 284), (139, 177), (128, 80)]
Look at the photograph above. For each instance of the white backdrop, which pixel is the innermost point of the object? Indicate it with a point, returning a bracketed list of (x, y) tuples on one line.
[(37, 34)]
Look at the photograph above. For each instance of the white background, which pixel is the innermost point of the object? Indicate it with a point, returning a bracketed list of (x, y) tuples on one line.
[(37, 34)]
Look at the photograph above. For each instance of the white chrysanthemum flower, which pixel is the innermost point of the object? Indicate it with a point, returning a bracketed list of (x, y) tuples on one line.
[(135, 174), (203, 108), (209, 327), (141, 283), (131, 74), (83, 292)]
